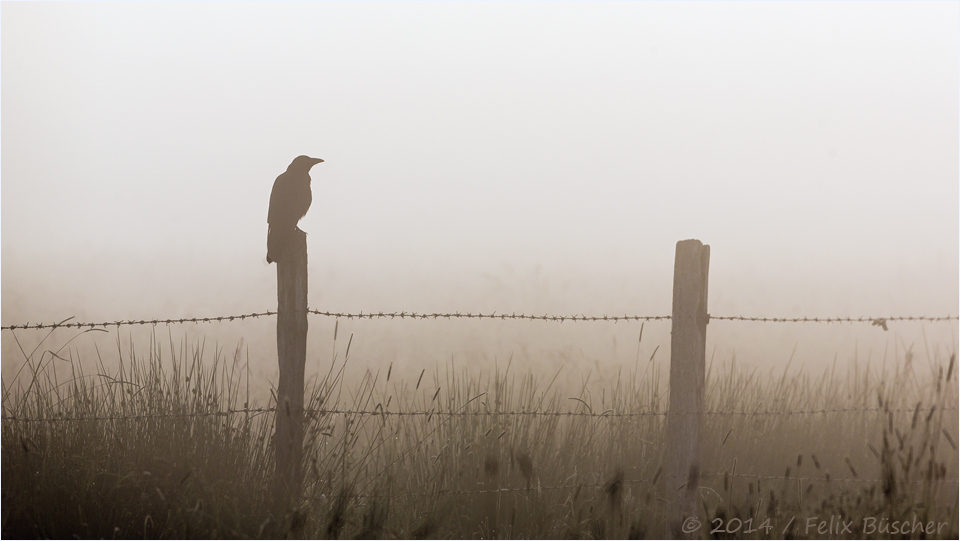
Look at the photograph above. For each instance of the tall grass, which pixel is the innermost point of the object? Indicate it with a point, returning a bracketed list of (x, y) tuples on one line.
[(465, 453), (154, 460)]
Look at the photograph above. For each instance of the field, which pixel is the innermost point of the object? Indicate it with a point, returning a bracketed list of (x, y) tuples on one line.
[(172, 446)]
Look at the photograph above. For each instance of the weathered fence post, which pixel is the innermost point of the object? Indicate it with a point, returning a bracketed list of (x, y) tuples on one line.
[(687, 350), (291, 353)]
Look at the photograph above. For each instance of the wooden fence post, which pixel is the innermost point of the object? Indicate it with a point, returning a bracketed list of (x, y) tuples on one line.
[(687, 350), (291, 353)]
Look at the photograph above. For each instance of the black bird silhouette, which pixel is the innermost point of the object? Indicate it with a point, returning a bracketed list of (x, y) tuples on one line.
[(289, 201)]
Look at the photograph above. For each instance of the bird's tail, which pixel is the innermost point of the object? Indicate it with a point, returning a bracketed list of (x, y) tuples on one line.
[(280, 241), (274, 244)]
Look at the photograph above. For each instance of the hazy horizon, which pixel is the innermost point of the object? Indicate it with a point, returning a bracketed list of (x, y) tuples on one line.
[(509, 157)]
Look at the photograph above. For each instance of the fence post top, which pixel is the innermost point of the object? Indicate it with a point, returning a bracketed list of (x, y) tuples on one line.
[(695, 242)]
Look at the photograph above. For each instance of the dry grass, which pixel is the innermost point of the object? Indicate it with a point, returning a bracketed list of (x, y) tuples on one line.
[(499, 467)]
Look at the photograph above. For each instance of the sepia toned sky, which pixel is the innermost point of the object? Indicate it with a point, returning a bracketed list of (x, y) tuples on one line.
[(481, 156)]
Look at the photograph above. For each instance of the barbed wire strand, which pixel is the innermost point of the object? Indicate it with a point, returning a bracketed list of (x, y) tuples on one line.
[(67, 324), (491, 315), (378, 413)]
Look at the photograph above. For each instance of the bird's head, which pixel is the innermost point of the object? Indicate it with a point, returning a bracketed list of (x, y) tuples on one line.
[(303, 163)]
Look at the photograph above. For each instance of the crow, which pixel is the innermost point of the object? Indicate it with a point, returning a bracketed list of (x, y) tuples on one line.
[(289, 201)]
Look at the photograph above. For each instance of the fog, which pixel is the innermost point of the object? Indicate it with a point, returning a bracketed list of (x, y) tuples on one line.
[(510, 157)]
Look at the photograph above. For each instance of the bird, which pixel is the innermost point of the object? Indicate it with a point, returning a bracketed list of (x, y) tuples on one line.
[(289, 201)]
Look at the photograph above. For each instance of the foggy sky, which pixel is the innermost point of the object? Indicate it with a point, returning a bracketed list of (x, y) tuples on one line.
[(481, 156)]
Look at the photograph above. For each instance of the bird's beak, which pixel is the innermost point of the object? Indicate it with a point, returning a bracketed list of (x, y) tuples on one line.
[(316, 161)]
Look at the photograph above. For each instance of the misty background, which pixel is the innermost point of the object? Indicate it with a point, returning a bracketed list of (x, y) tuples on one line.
[(510, 157)]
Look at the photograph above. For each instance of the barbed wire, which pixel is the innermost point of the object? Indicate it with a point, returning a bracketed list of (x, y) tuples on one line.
[(66, 324), (378, 413), (160, 415), (491, 315), (876, 321)]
